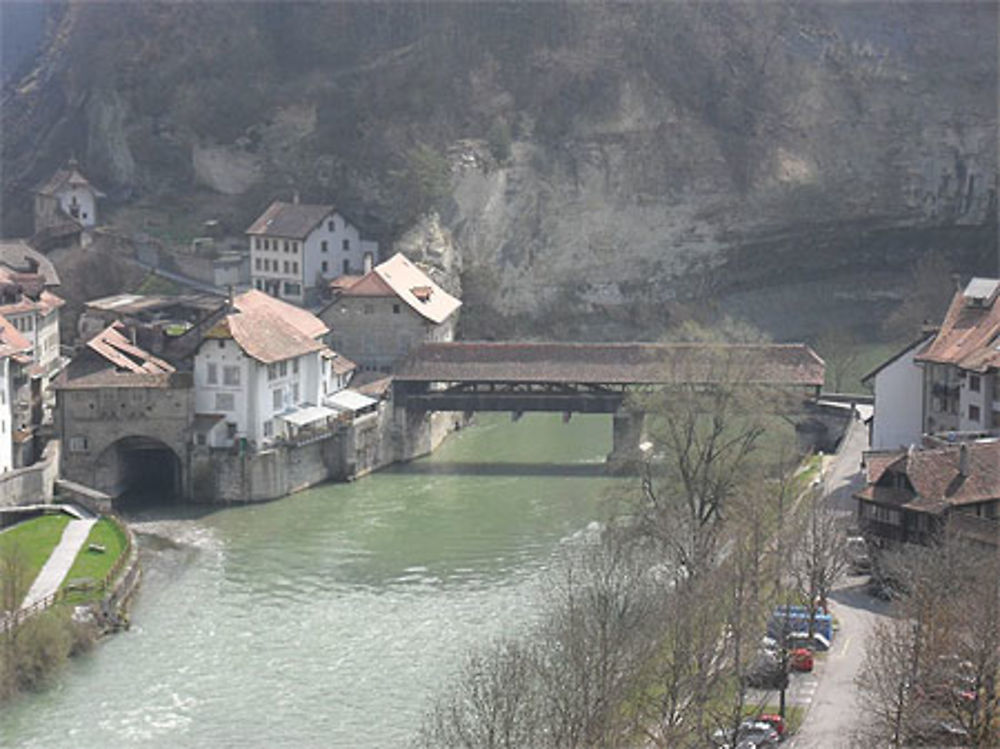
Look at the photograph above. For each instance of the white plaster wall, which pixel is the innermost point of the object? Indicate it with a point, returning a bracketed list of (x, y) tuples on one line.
[(85, 199), (228, 354), (967, 397), (276, 260), (335, 255), (898, 403)]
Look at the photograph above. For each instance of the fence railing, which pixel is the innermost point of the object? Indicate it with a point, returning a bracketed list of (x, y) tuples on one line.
[(17, 618)]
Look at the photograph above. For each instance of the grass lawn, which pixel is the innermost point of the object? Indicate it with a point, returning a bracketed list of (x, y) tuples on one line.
[(158, 285), (35, 539), (95, 564)]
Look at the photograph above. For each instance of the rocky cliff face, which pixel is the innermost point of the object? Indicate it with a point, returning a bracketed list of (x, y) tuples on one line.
[(608, 162)]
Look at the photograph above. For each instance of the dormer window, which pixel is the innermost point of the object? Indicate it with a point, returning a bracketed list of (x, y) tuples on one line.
[(423, 293)]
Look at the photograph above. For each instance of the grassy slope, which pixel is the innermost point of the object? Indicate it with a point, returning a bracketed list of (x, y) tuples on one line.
[(95, 564), (35, 539)]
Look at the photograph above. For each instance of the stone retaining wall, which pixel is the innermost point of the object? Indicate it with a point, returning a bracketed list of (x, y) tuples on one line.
[(33, 484)]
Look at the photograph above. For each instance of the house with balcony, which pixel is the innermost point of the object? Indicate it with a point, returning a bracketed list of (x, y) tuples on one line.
[(914, 495), (263, 373), (945, 381), (297, 248)]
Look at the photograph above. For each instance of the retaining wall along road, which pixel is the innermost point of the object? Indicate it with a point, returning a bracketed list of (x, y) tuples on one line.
[(32, 484)]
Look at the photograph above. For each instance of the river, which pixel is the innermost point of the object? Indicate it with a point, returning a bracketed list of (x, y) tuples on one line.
[(331, 617)]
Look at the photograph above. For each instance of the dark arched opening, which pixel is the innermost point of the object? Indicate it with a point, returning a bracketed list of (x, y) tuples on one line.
[(139, 470)]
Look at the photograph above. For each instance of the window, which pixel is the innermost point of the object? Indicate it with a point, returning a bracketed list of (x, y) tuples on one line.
[(199, 439), (347, 266), (78, 445), (286, 267), (277, 399), (225, 402), (323, 246), (267, 245), (212, 377), (295, 392), (973, 413), (272, 371), (295, 366), (292, 289), (347, 244), (257, 263), (330, 225), (395, 309), (295, 248), (974, 383), (222, 344), (325, 266), (268, 428), (286, 245), (283, 368), (231, 376), (295, 266), (369, 309), (230, 430)]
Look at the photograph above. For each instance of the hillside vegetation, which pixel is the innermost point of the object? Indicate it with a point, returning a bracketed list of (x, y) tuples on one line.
[(599, 165)]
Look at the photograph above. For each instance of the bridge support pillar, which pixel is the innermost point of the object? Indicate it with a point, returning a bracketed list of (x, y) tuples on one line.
[(628, 428)]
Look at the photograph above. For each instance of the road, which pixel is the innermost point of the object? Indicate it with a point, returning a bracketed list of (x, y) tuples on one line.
[(833, 713)]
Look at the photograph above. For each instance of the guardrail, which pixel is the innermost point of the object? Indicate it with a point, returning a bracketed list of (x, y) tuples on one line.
[(16, 618)]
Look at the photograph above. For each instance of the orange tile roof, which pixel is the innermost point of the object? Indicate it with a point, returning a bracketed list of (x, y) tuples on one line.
[(269, 329), (11, 340), (969, 336), (111, 344), (400, 278)]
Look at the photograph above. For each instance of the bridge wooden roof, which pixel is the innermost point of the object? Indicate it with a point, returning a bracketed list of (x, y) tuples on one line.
[(614, 363)]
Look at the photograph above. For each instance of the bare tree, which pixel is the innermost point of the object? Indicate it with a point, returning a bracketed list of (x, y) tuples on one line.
[(819, 556), (839, 348)]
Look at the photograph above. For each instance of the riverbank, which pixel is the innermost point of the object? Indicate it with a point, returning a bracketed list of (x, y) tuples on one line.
[(293, 623)]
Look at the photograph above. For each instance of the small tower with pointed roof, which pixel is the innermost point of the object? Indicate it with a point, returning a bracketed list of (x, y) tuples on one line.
[(66, 198)]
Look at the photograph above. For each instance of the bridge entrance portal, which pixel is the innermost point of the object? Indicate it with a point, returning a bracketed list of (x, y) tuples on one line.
[(139, 470)]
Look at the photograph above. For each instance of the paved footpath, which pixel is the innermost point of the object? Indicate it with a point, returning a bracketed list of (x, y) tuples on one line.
[(60, 560)]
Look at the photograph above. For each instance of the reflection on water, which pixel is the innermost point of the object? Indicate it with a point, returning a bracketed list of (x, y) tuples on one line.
[(329, 618)]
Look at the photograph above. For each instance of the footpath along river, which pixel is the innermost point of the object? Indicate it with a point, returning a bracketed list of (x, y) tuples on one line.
[(331, 617)]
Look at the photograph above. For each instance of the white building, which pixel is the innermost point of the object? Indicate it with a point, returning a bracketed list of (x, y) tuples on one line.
[(66, 196), (949, 380), (295, 249), (264, 372), (899, 387), (13, 350)]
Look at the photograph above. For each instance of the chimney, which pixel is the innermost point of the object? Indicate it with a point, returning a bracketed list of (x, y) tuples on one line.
[(367, 263), (956, 279), (963, 460), (295, 197)]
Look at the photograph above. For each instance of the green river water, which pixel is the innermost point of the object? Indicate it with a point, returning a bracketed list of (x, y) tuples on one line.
[(332, 617)]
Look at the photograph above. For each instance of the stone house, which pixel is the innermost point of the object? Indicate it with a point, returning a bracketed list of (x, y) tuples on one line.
[(947, 380), (296, 248), (913, 494), (379, 318), (66, 197), (123, 416), (262, 372)]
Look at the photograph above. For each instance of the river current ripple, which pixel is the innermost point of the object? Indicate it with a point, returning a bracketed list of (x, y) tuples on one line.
[(330, 618)]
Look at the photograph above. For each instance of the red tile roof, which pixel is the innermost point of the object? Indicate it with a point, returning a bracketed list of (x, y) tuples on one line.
[(614, 363), (969, 336), (111, 344), (400, 278), (269, 329), (46, 302), (935, 476), (11, 340), (67, 177)]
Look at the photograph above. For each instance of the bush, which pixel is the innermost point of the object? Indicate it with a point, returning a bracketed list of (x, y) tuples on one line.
[(499, 140), (31, 654)]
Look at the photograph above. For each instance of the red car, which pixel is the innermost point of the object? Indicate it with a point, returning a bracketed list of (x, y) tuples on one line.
[(800, 659), (775, 721)]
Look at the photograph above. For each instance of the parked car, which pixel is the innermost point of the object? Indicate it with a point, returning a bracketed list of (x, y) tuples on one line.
[(775, 721), (800, 659), (766, 673), (858, 559), (760, 733)]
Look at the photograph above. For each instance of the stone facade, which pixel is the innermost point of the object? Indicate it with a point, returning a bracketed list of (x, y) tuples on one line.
[(100, 428)]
